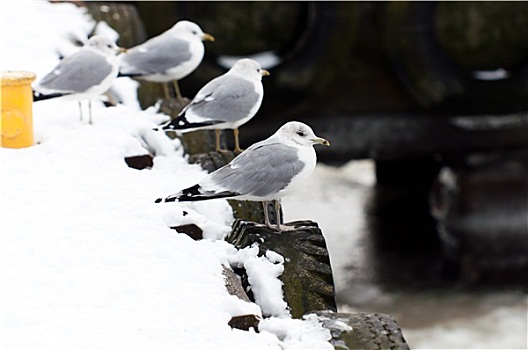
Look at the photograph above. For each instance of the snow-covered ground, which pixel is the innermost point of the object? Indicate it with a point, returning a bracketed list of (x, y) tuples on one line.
[(88, 259)]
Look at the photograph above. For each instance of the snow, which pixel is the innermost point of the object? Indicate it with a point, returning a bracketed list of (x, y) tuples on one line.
[(35, 35), (491, 122), (267, 59), (263, 273), (495, 74), (88, 259)]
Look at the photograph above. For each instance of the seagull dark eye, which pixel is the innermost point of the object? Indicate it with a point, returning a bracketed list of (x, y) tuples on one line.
[(300, 133), (194, 32)]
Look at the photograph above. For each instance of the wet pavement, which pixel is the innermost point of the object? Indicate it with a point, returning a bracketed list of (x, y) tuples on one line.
[(386, 257)]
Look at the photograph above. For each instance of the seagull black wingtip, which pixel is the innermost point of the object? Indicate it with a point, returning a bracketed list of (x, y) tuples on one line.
[(166, 200), (42, 97), (181, 123)]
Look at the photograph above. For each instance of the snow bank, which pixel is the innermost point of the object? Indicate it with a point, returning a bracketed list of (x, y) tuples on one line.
[(88, 259)]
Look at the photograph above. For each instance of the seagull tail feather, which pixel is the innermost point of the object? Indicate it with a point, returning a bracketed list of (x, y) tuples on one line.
[(41, 97), (181, 123), (129, 75), (193, 194)]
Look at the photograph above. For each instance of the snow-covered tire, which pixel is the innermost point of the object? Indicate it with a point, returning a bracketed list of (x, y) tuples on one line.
[(450, 66), (363, 330), (308, 284), (123, 18)]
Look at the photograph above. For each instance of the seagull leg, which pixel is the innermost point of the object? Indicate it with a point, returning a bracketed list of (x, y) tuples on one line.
[(279, 226), (277, 204), (90, 112), (217, 134), (166, 90), (265, 205), (80, 110), (177, 89), (237, 149)]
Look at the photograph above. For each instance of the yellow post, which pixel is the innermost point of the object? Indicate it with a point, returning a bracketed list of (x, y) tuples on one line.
[(16, 123)]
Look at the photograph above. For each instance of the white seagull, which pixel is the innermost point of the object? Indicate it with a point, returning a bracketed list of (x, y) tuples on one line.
[(266, 171), (170, 56), (226, 102), (83, 75)]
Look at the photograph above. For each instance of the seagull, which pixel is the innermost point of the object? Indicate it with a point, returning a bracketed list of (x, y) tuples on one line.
[(265, 172), (170, 56), (83, 75), (226, 102)]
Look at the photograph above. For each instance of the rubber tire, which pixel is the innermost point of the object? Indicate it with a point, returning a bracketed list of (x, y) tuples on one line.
[(434, 80), (367, 331), (123, 18), (308, 284)]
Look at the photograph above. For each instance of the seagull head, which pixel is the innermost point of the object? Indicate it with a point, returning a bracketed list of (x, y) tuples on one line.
[(301, 134), (192, 30), (249, 68), (104, 45)]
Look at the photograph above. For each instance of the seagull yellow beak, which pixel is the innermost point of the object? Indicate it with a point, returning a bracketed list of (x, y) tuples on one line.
[(121, 50), (320, 140), (264, 72), (208, 37)]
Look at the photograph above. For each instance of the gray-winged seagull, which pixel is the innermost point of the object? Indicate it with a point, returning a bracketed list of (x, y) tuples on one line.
[(83, 75), (226, 102), (266, 171), (170, 56)]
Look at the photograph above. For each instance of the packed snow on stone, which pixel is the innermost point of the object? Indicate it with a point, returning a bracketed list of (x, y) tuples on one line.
[(88, 259)]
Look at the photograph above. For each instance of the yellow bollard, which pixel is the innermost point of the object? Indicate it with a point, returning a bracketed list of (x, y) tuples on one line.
[(16, 123)]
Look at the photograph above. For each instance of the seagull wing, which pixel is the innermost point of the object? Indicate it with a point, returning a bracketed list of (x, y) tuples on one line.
[(77, 73)]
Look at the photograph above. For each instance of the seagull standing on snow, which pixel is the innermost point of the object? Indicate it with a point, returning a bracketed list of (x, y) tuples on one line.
[(87, 73), (266, 171), (170, 56), (226, 102)]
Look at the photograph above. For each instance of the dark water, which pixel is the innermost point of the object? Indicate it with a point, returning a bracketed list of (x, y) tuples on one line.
[(387, 257)]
